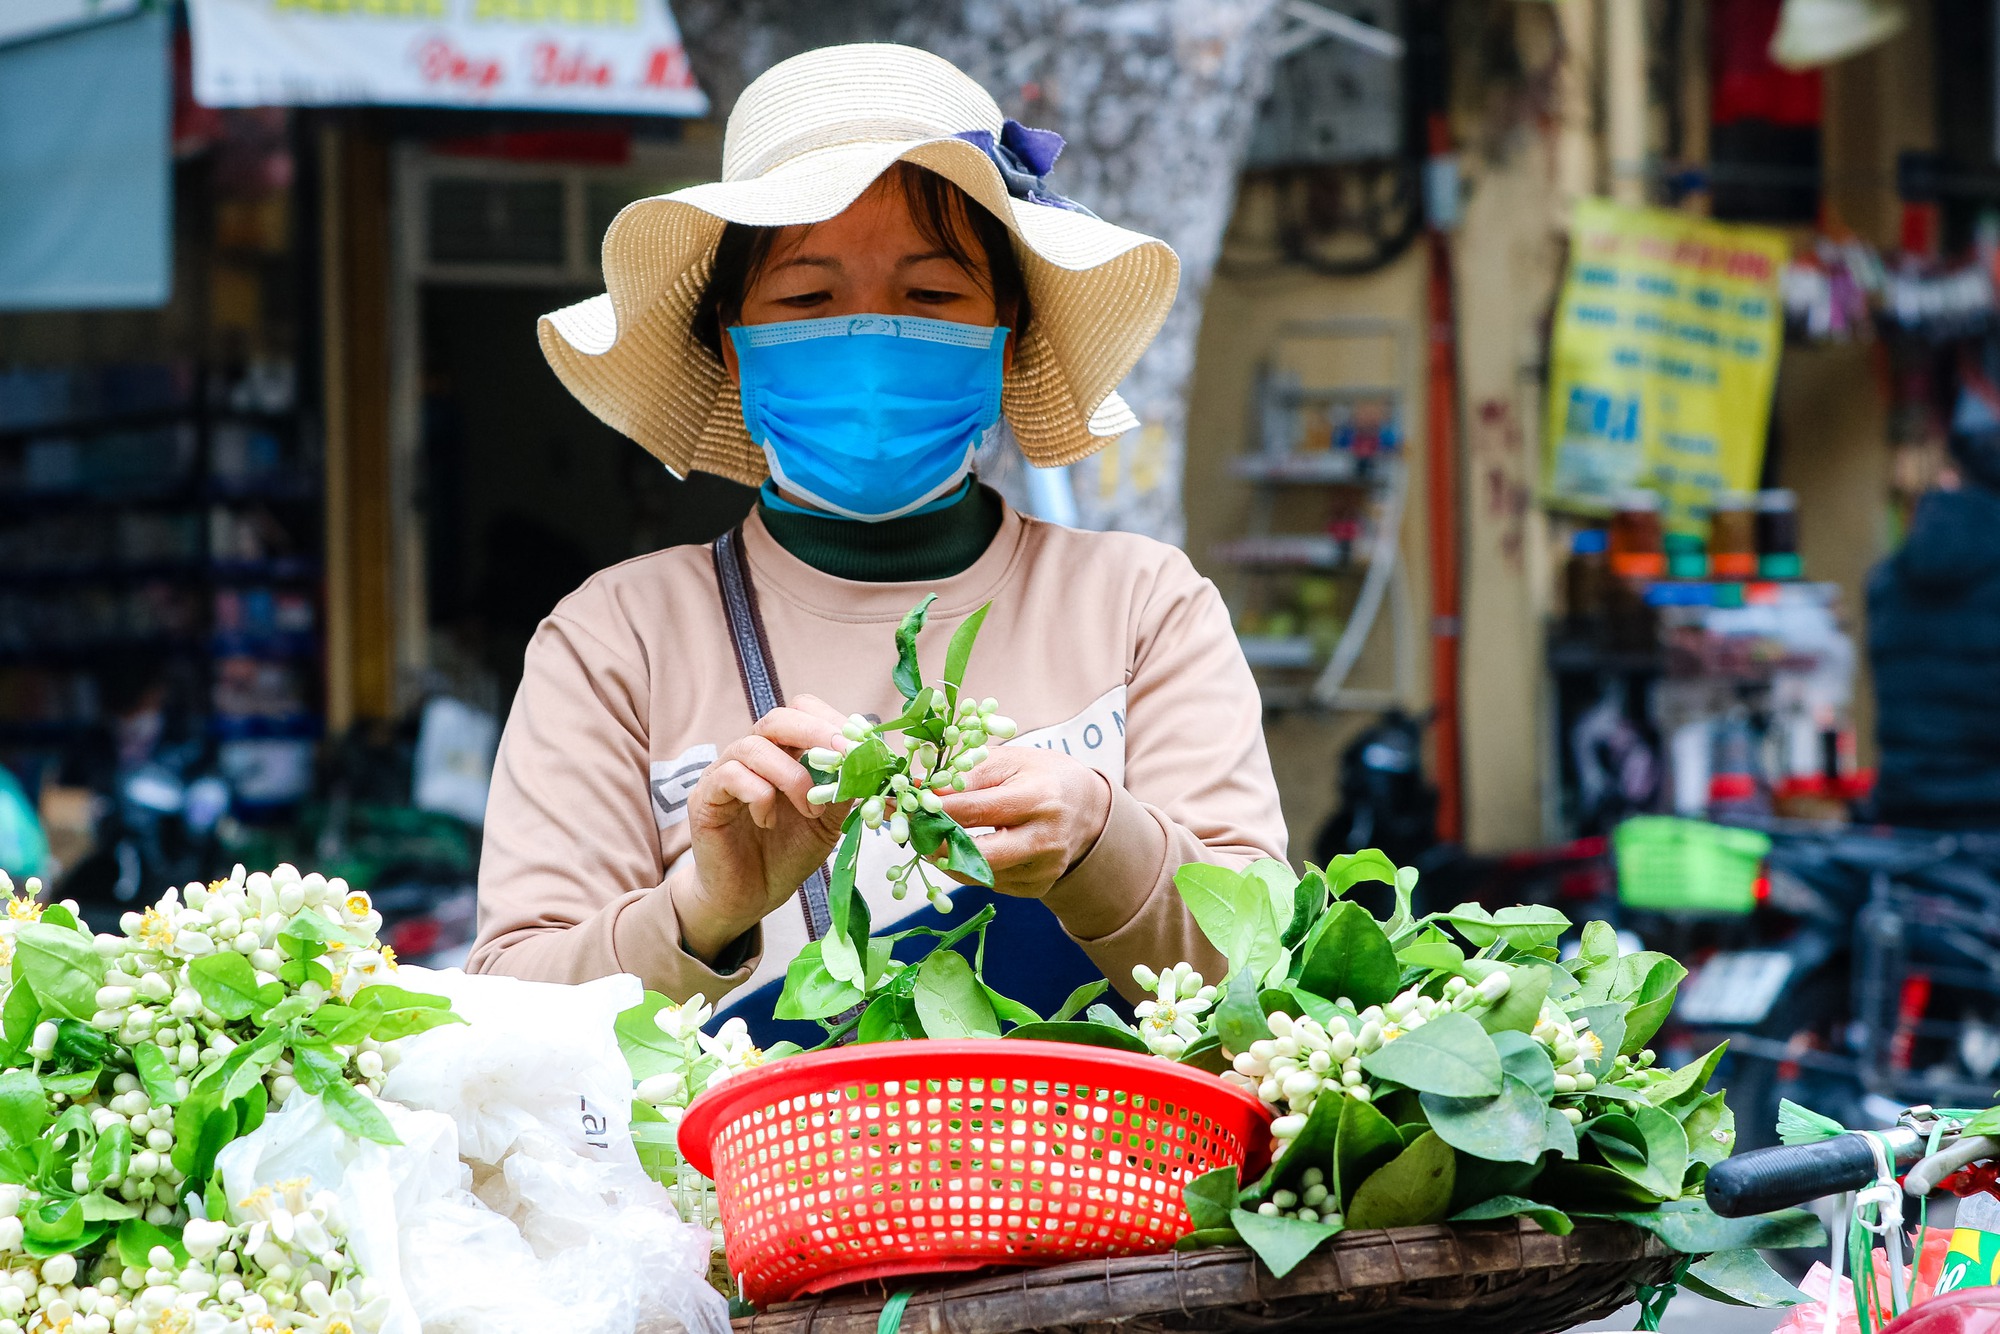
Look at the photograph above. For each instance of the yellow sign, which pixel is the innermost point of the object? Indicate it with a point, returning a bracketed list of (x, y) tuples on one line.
[(1663, 358)]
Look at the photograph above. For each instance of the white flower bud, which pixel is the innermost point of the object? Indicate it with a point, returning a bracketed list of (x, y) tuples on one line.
[(823, 759), (59, 1269), (44, 1040), (1288, 1126), (824, 794)]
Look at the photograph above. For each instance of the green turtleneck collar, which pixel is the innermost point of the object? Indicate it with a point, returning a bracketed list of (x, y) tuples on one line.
[(912, 549)]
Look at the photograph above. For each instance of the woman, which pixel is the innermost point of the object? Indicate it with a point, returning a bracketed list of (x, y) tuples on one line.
[(882, 272)]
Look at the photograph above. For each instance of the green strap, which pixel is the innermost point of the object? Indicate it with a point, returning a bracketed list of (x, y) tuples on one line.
[(892, 1312), (1653, 1299)]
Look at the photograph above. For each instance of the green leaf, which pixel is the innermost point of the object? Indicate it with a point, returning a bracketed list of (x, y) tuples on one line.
[(1451, 1055), (210, 1134), (24, 1107), (842, 947), (889, 1019), (1648, 980), (339, 1024), (380, 997), (54, 914), (1239, 1019), (1210, 1197), (959, 652), (53, 1226), (156, 1075), (322, 1073), (1280, 884), (867, 769), (1010, 1010), (811, 991), (1233, 909), (226, 983), (137, 1238), (62, 966), (1592, 1187), (1692, 1228), (1433, 950), (101, 1208), (1647, 1147), (1741, 1278), (1558, 1135), (1528, 1061), (73, 1084), (250, 1109), (1523, 926), (246, 1065), (1363, 1142), (1547, 1217), (78, 1043), (1711, 1130), (1281, 1243), (1349, 869), (1520, 1009), (113, 1153), (1687, 1084), (1083, 1031), (1406, 889), (1205, 1053), (950, 1000), (1348, 955), (1505, 1128), (931, 831), (1079, 1000), (647, 1050), (1412, 1188), (908, 677), (20, 1015), (1308, 902)]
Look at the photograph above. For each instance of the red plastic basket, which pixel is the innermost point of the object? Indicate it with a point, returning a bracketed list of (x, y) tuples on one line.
[(926, 1157)]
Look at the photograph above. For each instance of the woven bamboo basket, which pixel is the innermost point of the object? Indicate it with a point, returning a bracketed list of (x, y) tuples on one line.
[(1484, 1278)]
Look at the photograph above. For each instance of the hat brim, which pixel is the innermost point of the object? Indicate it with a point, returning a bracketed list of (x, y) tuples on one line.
[(1099, 293)]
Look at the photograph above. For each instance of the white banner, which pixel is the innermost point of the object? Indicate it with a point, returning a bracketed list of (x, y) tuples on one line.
[(550, 55)]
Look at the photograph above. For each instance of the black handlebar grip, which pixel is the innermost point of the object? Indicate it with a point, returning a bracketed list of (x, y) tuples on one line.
[(1766, 1179)]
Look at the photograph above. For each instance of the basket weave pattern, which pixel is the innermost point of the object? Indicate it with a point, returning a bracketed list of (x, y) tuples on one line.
[(861, 1176)]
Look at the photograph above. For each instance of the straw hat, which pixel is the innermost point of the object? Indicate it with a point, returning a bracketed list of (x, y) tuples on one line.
[(804, 141)]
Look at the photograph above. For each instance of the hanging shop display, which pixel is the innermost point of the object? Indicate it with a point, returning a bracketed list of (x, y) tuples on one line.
[(582, 55), (1665, 354)]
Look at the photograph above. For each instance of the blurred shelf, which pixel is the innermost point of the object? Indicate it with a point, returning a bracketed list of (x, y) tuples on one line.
[(90, 650), (1335, 467), (264, 646), (1305, 551), (1282, 652), (287, 570)]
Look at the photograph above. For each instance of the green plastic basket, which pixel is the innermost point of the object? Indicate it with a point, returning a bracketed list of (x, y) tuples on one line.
[(1673, 865)]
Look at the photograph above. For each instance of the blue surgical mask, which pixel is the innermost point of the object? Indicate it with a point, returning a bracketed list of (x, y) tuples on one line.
[(869, 416)]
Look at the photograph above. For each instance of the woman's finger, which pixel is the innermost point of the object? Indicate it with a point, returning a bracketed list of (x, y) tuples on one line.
[(1000, 807), (1005, 849), (819, 708), (778, 768), (796, 730), (732, 783)]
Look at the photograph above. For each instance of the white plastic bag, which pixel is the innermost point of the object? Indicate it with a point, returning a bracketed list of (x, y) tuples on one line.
[(515, 1204), (531, 1055)]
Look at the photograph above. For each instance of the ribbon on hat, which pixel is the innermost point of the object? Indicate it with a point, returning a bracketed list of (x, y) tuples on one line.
[(1025, 156)]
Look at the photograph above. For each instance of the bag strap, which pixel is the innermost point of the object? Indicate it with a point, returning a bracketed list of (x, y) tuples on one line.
[(760, 684)]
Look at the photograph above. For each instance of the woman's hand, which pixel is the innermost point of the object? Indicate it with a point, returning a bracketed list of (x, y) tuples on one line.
[(756, 838), (1045, 808)]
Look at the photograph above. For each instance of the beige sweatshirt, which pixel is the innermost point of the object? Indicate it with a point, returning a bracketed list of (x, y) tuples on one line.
[(1107, 645)]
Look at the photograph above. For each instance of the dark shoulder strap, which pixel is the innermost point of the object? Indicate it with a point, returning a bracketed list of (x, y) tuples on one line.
[(760, 683)]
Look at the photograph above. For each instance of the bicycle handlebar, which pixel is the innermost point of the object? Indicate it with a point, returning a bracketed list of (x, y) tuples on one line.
[(1766, 1179)]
